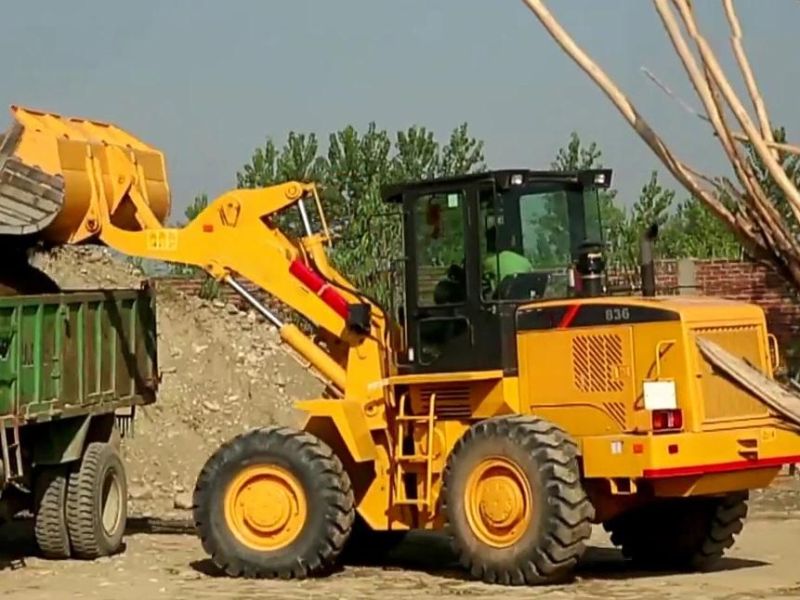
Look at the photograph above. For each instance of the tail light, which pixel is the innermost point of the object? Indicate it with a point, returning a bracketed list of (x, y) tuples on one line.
[(667, 420)]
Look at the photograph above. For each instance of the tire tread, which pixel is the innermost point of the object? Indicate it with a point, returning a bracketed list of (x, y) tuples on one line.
[(569, 525), (331, 479), (50, 520)]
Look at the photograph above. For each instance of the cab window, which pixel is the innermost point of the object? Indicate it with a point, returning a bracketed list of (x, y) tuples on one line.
[(440, 248)]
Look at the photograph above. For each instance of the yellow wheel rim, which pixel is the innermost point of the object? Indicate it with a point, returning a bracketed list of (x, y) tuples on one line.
[(498, 502), (265, 507)]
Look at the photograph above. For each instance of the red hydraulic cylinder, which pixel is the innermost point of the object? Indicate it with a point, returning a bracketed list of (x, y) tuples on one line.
[(319, 286)]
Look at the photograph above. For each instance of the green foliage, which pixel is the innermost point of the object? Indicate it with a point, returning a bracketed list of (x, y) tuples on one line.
[(198, 205), (687, 228), (694, 231), (210, 289), (791, 166), (367, 231), (575, 157)]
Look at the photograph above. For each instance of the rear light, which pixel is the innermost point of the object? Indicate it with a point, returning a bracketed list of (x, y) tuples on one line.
[(667, 420)]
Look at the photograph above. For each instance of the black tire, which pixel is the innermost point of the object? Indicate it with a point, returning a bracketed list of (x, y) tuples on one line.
[(683, 534), (50, 517), (550, 546), (97, 498), (326, 490)]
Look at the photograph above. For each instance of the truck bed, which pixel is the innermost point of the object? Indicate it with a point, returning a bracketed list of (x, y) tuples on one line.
[(76, 353)]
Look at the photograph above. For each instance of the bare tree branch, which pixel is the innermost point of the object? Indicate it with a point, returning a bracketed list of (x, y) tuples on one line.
[(776, 171), (751, 211), (747, 73), (737, 135), (656, 144)]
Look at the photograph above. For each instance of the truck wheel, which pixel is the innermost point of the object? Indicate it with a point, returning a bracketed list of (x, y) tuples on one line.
[(274, 502), (514, 505), (686, 534), (50, 519), (97, 509)]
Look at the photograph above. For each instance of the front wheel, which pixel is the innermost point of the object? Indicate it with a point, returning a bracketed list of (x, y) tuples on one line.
[(514, 504), (274, 502)]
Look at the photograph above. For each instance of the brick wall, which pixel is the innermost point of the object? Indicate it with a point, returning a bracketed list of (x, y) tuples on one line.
[(757, 284), (736, 280), (739, 280)]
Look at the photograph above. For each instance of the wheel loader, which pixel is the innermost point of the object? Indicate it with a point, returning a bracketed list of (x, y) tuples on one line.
[(511, 400)]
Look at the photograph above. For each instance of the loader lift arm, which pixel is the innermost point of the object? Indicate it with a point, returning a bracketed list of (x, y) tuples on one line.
[(236, 233), (73, 181)]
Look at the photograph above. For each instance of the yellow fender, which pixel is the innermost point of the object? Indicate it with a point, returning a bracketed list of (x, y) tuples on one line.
[(348, 420)]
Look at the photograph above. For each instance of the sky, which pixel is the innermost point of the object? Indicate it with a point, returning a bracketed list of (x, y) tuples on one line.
[(208, 81)]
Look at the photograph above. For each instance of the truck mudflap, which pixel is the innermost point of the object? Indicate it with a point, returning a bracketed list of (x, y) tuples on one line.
[(30, 199)]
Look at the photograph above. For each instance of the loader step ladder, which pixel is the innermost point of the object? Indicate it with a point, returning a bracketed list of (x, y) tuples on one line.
[(404, 460), (12, 452)]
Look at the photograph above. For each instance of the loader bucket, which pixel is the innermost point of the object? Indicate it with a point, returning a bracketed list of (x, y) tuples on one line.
[(56, 171)]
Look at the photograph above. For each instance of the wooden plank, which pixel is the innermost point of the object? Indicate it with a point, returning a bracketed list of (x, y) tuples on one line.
[(776, 396)]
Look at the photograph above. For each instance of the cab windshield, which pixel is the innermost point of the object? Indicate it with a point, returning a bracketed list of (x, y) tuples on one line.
[(532, 236)]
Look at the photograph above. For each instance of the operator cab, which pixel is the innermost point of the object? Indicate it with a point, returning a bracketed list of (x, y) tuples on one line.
[(479, 246)]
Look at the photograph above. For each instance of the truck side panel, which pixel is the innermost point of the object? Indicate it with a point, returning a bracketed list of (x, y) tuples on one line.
[(76, 353)]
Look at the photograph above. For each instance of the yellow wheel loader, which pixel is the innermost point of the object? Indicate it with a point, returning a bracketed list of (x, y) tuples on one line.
[(511, 401)]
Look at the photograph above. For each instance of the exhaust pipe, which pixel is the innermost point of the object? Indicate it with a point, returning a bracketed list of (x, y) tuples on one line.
[(646, 261), (591, 267)]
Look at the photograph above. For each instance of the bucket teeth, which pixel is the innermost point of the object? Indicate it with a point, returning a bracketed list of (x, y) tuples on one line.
[(29, 198)]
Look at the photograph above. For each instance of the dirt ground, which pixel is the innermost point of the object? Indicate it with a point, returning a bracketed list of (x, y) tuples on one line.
[(163, 559), (224, 371)]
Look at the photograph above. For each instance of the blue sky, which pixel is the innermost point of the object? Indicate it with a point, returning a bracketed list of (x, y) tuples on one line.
[(207, 81)]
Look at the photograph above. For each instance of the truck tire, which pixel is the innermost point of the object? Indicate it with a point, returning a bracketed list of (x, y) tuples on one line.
[(97, 498), (274, 503), (684, 534), (50, 518), (514, 505)]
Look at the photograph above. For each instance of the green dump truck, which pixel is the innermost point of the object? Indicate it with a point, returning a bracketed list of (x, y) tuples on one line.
[(73, 367)]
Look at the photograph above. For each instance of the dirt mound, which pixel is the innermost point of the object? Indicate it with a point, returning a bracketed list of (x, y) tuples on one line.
[(223, 371)]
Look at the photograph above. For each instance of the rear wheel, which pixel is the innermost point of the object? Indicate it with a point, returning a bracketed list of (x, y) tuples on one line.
[(274, 502), (50, 517), (687, 534), (514, 504), (97, 502)]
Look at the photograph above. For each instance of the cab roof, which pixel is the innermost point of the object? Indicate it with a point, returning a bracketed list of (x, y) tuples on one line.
[(502, 178)]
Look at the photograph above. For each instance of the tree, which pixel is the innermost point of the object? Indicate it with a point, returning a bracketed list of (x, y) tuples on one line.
[(651, 208), (576, 156), (762, 206), (693, 231), (367, 232), (198, 205)]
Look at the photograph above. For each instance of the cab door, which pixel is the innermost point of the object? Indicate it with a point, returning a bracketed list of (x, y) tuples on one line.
[(445, 323)]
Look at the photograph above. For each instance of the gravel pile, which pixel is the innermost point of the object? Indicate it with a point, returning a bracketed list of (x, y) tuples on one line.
[(224, 371)]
